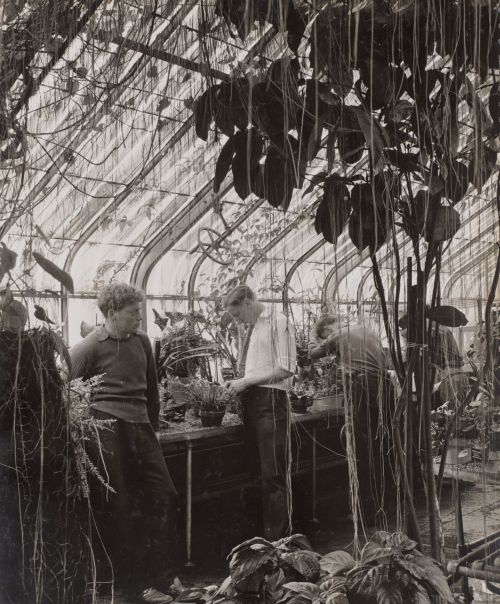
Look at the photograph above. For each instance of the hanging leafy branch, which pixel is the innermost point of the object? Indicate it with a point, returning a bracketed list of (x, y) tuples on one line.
[(396, 90), (397, 85)]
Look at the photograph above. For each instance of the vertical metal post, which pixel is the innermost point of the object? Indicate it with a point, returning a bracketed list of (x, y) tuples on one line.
[(314, 477), (409, 392), (461, 549), (189, 500)]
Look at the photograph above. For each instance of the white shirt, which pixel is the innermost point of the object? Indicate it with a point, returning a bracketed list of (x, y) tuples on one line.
[(272, 345)]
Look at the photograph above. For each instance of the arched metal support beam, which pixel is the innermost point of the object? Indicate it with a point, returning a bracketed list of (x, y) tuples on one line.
[(270, 245), (339, 272), (166, 238), (196, 268), (155, 249), (463, 270), (489, 266), (359, 292), (94, 224), (150, 166), (295, 266)]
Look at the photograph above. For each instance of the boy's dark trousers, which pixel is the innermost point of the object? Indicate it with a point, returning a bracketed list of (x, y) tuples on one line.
[(267, 428), (136, 523)]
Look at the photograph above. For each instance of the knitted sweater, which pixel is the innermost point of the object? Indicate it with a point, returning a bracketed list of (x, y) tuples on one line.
[(129, 389)]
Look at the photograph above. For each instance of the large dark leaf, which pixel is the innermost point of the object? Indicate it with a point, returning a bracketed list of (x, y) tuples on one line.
[(7, 260), (447, 315), (232, 105), (315, 138), (389, 593), (49, 267), (257, 181), (333, 211), (278, 179), (192, 596), (303, 562), (337, 597), (421, 84), (424, 207), (274, 586), (362, 195), (330, 149), (235, 13), (330, 46), (385, 83), (373, 133), (293, 543), (319, 104), (426, 571), (224, 122), (334, 583), (481, 166), (446, 224), (295, 25), (316, 179), (457, 182), (306, 589), (249, 563), (375, 552), (282, 75), (247, 152), (204, 110), (368, 221), (406, 162), (350, 141), (399, 111), (341, 77), (494, 104), (319, 40), (223, 163), (269, 114), (337, 563)]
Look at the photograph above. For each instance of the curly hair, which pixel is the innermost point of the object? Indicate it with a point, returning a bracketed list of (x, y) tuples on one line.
[(118, 295), (238, 294), (322, 322)]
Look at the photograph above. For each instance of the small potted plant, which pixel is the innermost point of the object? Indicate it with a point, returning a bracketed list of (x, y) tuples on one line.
[(209, 400), (301, 395), (328, 394)]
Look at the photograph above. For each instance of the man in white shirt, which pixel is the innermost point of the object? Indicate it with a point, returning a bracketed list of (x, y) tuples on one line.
[(266, 364)]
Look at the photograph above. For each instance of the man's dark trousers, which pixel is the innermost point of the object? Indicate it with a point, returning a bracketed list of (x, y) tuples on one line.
[(266, 421), (372, 398), (137, 523)]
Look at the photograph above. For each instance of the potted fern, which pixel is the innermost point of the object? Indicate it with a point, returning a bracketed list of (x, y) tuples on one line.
[(209, 401)]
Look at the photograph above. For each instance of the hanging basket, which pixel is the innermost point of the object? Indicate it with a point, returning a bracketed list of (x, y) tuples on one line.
[(209, 419)]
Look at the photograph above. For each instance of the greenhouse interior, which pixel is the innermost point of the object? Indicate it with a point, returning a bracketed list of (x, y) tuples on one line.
[(249, 302)]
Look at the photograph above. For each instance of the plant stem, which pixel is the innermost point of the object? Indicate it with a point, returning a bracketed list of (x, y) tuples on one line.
[(407, 485), (425, 402), (380, 289)]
